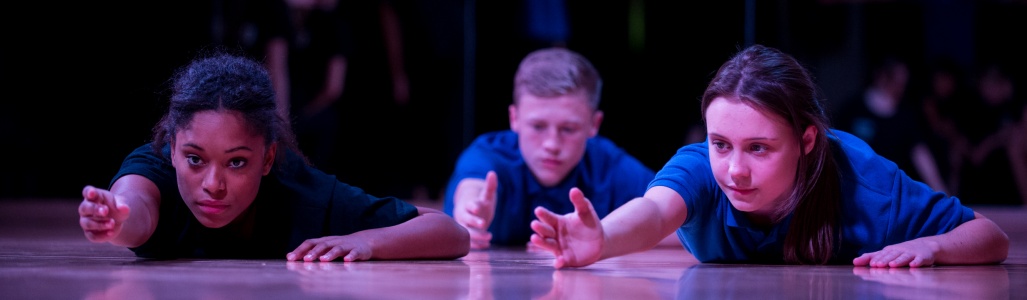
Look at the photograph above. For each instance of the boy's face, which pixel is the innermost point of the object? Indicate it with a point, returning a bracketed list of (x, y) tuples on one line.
[(552, 133), (219, 164)]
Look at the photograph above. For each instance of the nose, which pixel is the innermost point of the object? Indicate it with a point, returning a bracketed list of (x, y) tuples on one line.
[(738, 169), (551, 140), (214, 183)]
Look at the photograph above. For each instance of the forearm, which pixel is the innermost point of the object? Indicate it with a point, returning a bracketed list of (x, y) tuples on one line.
[(633, 227), (143, 199), (427, 236), (137, 229), (979, 241)]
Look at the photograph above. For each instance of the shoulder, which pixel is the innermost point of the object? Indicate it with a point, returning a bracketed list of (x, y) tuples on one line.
[(603, 147), (690, 166), (602, 152), (604, 144), (496, 139), (859, 164), (496, 146), (293, 178), (156, 167), (694, 151)]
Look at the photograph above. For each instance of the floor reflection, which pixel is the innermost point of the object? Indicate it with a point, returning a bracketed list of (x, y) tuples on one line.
[(383, 279), (57, 262), (959, 282), (716, 281)]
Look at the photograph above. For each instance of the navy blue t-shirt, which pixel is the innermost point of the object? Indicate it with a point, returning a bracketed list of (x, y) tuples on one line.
[(296, 202)]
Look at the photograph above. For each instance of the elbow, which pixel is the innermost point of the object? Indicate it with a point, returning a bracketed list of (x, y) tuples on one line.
[(462, 245), (997, 248), (1001, 246), (440, 233), (459, 240)]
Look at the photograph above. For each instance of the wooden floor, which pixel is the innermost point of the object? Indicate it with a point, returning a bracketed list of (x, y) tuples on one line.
[(43, 255)]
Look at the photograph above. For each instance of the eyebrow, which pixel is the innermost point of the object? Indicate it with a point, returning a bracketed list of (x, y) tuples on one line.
[(746, 139), (230, 150)]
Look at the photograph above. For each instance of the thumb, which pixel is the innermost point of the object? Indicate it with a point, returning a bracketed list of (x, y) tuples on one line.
[(121, 209)]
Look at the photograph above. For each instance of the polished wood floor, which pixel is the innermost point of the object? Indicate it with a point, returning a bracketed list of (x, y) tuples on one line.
[(43, 255)]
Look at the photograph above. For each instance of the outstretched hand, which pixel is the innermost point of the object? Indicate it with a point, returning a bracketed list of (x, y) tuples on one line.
[(576, 238), (913, 253), (101, 215), (348, 247), (477, 215)]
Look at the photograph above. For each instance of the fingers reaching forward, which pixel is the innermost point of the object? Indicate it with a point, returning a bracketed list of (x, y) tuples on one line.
[(100, 215), (476, 211), (576, 238)]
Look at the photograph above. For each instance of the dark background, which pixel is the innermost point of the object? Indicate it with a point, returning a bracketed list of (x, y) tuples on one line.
[(81, 79)]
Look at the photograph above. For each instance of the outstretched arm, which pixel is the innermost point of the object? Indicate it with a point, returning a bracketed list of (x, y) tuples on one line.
[(125, 215), (979, 241), (430, 235)]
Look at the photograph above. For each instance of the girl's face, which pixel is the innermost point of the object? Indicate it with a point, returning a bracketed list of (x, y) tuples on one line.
[(219, 164), (754, 156)]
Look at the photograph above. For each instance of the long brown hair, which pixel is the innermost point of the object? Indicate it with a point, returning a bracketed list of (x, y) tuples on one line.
[(772, 81)]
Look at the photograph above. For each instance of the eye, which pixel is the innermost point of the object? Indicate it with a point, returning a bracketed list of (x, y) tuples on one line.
[(758, 148), (720, 146), (194, 160), (567, 130), (538, 126), (237, 163)]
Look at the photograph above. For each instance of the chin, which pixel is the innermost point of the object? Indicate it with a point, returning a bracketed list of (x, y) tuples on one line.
[(206, 221), (742, 206), (210, 223), (548, 181)]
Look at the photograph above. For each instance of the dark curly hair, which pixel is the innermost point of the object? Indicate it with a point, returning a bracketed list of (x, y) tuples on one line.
[(220, 80)]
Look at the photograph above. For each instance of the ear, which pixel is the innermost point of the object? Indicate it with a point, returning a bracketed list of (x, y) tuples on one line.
[(172, 151), (597, 119), (269, 157), (512, 109), (808, 138)]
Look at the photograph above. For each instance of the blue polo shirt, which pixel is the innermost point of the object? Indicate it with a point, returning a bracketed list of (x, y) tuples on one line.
[(607, 175), (880, 206)]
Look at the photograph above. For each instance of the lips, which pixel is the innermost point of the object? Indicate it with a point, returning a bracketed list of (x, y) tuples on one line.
[(211, 207), (550, 163), (742, 192)]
